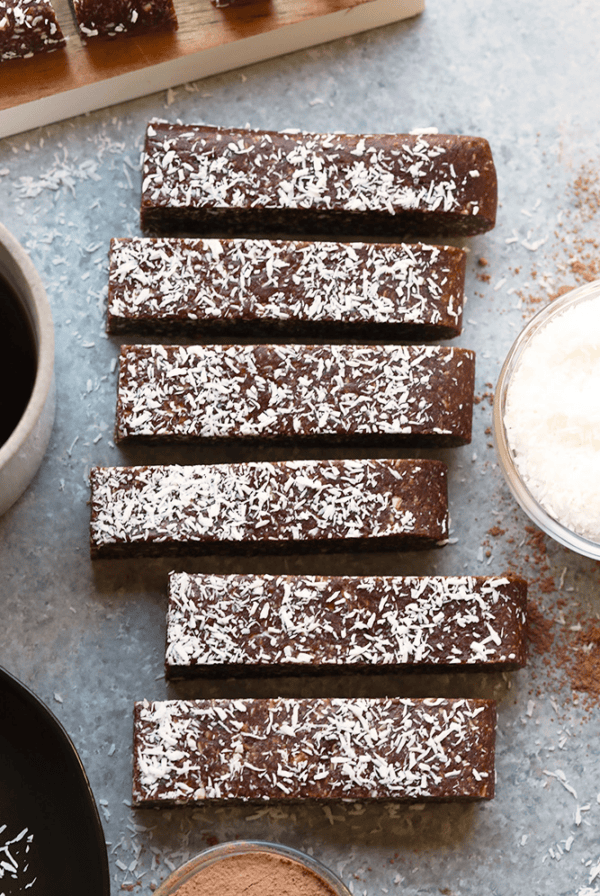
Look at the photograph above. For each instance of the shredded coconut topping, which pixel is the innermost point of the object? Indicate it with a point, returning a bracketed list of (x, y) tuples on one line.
[(173, 508), (297, 620), (206, 168), (187, 752), (292, 391), (186, 282)]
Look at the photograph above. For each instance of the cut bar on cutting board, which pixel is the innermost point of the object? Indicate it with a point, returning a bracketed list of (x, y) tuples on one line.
[(27, 28), (55, 86), (110, 19)]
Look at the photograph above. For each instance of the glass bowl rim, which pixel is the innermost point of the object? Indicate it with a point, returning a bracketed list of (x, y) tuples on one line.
[(551, 526), (213, 854)]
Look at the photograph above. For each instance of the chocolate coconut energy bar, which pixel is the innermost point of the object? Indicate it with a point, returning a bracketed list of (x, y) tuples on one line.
[(229, 181), (28, 27), (108, 19), (284, 506), (265, 625), (199, 751), (298, 288), (417, 395)]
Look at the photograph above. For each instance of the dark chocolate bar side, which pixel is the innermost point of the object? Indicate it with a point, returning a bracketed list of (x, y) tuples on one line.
[(283, 506), (222, 181), (233, 4), (198, 751), (320, 288), (265, 625)]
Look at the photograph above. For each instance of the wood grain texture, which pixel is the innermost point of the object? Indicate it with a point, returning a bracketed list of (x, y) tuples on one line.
[(80, 78)]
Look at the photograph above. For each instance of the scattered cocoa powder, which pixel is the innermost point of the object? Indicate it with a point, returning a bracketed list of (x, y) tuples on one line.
[(576, 251), (586, 666), (540, 633), (579, 656), (563, 639), (570, 649), (496, 531), (488, 397)]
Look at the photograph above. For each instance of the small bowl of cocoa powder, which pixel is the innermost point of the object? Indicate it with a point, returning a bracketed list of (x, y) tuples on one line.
[(252, 866)]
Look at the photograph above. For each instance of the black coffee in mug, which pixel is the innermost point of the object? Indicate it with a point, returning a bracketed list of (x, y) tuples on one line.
[(17, 359)]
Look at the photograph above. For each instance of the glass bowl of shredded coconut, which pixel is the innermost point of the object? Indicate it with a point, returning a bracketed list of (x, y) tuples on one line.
[(547, 419)]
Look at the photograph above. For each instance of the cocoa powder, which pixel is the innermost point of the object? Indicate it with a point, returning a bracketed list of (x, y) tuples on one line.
[(255, 874), (575, 249)]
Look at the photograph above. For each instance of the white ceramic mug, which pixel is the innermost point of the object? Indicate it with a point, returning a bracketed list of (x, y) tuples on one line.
[(22, 453)]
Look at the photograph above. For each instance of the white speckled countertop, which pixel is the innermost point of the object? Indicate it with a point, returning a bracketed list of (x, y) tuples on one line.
[(89, 637)]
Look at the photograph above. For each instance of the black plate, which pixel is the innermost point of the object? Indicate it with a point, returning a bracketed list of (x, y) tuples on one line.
[(44, 792)]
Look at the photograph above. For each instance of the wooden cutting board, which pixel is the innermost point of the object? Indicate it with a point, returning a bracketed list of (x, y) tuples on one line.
[(53, 86)]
